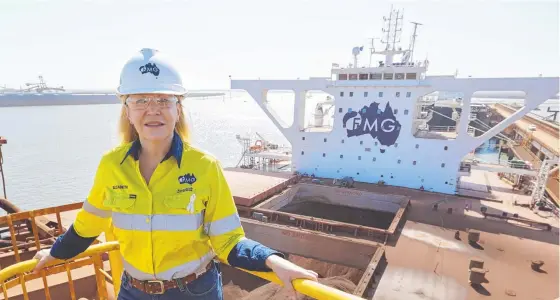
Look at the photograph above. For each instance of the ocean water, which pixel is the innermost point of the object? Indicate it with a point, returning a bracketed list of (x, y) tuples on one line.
[(53, 151)]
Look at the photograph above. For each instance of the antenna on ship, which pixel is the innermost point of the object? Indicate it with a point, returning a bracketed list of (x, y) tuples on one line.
[(413, 40), (372, 49), (393, 30)]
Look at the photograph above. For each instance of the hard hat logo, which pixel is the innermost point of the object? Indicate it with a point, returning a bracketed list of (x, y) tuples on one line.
[(150, 68), (163, 77)]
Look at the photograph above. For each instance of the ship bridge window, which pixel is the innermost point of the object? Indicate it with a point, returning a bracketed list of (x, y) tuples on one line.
[(387, 76), (380, 94), (351, 94), (353, 76), (410, 75), (342, 76), (365, 94), (399, 76), (375, 76), (364, 76), (407, 94), (397, 94), (341, 94)]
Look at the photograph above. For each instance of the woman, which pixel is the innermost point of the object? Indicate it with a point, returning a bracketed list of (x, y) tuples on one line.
[(169, 203)]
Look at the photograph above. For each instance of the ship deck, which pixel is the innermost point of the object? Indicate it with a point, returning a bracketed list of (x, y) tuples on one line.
[(439, 267), (252, 186)]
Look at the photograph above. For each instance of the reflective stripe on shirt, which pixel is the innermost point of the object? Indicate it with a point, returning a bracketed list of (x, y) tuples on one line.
[(175, 272), (157, 222)]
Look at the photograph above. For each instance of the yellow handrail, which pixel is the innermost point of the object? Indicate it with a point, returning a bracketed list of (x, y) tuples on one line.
[(29, 265), (307, 287)]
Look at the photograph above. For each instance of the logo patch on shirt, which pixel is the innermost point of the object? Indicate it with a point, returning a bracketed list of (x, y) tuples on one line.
[(149, 68), (187, 178)]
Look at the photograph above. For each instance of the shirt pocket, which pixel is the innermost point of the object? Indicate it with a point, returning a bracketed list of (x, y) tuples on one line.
[(185, 203), (119, 200)]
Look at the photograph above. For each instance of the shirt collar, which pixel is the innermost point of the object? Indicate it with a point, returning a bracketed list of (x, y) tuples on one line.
[(175, 150)]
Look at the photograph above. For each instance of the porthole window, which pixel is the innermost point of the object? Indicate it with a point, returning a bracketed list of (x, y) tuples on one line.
[(396, 145), (374, 159), (417, 146), (302, 152), (361, 142), (445, 148), (303, 138), (359, 158), (325, 140), (341, 156), (324, 154), (398, 161), (414, 163), (443, 165), (341, 94), (342, 141), (340, 110), (406, 112), (407, 94), (365, 94), (351, 94), (397, 94), (395, 111), (368, 149), (380, 94)]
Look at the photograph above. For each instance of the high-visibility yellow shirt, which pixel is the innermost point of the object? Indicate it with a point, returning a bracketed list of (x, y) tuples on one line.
[(168, 227)]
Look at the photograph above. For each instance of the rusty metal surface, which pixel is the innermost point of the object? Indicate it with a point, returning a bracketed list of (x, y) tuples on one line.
[(368, 277), (333, 249), (250, 187)]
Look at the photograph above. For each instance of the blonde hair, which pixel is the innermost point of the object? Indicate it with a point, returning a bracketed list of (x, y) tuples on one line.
[(128, 133)]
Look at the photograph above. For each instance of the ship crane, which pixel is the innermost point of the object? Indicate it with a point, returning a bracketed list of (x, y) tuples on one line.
[(41, 86)]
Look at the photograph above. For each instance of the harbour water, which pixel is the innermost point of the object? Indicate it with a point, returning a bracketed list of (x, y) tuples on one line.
[(53, 151)]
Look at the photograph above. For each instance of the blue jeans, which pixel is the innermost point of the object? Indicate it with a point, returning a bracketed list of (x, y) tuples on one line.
[(206, 287)]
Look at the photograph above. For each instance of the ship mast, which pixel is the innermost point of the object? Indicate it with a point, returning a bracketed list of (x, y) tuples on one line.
[(392, 30), (413, 40)]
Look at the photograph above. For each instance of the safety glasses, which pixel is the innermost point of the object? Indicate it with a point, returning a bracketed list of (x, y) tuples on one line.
[(140, 102)]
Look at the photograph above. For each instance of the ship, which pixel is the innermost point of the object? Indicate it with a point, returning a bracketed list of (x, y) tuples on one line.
[(369, 199), (382, 117), (41, 94)]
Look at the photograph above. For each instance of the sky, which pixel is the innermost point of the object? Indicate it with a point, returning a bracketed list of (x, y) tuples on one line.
[(84, 44)]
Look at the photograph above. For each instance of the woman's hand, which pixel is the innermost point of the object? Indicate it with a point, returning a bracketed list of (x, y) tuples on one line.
[(44, 256), (288, 271)]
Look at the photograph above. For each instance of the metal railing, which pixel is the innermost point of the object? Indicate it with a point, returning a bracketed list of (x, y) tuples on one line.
[(442, 128), (19, 273)]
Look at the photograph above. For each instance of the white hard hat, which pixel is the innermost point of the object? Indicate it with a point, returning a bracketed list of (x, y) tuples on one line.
[(148, 72)]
